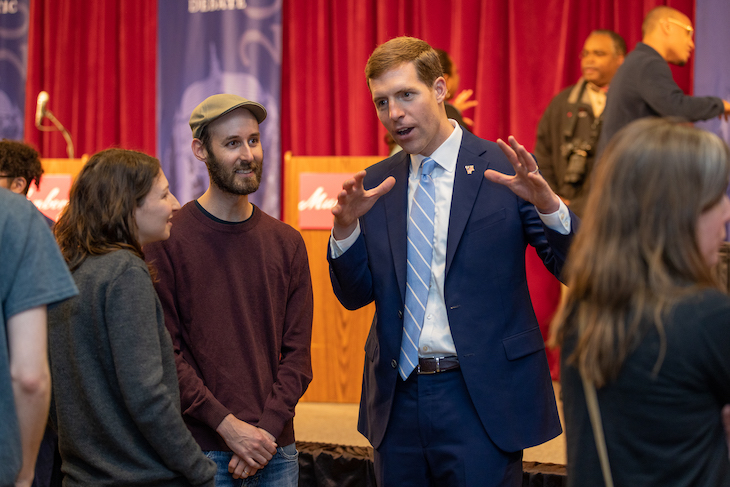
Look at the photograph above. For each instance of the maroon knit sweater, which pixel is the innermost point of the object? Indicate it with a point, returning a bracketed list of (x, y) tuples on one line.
[(238, 305)]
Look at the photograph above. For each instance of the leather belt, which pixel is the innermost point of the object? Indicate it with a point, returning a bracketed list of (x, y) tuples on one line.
[(436, 365)]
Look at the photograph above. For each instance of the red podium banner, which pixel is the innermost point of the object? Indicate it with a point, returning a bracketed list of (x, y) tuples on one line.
[(317, 195), (52, 196)]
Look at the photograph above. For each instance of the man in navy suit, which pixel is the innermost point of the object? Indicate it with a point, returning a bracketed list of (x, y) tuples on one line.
[(481, 390)]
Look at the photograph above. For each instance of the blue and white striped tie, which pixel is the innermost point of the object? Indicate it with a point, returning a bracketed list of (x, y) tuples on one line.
[(418, 275)]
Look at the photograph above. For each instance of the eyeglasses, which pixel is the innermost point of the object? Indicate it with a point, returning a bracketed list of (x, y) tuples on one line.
[(688, 28), (584, 54)]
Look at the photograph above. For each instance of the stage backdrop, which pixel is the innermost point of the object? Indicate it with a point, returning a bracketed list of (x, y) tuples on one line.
[(711, 60), (98, 61), (207, 48), (515, 55), (14, 19)]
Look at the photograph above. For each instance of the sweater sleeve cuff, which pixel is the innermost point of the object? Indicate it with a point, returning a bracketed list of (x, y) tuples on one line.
[(212, 413), (271, 422)]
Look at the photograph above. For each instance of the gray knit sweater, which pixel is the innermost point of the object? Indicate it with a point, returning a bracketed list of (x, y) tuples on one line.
[(115, 387)]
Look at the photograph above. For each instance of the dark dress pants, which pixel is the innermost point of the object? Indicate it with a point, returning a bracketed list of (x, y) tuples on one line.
[(435, 438)]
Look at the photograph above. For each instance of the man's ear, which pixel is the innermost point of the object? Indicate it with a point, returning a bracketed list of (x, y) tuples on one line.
[(440, 89), (19, 185), (199, 150), (664, 25)]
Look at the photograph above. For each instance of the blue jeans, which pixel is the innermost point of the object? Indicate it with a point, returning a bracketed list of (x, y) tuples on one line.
[(281, 471)]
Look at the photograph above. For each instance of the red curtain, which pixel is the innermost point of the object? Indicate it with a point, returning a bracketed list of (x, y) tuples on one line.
[(97, 61), (515, 54)]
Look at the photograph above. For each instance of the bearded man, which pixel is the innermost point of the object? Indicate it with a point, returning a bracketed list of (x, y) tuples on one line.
[(237, 295)]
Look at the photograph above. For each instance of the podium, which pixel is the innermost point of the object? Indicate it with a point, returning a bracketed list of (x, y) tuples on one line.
[(64, 166), (338, 335), (52, 195)]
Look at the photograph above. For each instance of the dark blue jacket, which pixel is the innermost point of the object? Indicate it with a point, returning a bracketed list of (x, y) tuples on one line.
[(492, 322)]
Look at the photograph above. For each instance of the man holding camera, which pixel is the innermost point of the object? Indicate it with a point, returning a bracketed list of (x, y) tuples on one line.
[(568, 132)]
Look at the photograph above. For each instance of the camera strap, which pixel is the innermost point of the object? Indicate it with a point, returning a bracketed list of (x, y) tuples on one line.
[(572, 115)]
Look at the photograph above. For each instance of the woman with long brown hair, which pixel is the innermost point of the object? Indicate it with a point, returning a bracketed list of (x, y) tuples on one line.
[(117, 403), (644, 322)]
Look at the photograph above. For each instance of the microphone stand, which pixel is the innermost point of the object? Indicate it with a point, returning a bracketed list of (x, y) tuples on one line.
[(69, 143)]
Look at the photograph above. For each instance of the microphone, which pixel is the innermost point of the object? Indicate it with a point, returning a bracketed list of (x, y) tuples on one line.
[(40, 110)]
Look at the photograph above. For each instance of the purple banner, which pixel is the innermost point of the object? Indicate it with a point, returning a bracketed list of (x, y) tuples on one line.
[(14, 16), (217, 46), (712, 63)]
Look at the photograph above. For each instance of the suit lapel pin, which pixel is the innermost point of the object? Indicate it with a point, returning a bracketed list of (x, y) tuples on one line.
[(469, 168)]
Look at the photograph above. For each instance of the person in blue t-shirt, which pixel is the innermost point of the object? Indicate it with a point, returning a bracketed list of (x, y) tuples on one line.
[(33, 275)]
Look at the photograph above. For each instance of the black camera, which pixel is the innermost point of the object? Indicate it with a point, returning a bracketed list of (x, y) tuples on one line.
[(577, 152)]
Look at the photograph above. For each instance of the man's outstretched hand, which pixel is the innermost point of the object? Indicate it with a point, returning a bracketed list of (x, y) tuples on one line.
[(354, 201), (527, 183)]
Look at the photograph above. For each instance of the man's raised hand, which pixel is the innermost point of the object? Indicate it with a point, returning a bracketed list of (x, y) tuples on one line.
[(527, 183), (354, 201)]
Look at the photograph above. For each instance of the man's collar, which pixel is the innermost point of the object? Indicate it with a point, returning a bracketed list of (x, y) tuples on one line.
[(446, 154), (598, 89)]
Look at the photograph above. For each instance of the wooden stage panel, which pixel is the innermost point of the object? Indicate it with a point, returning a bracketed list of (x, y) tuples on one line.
[(338, 335)]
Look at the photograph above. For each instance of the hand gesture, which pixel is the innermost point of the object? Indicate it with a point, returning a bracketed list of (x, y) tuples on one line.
[(462, 101), (353, 202), (251, 444), (527, 183)]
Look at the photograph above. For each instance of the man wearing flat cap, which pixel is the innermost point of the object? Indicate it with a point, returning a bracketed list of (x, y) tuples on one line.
[(235, 288)]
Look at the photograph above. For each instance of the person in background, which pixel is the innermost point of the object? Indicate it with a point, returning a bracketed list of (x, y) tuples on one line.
[(116, 398), (237, 295), (456, 102), (567, 139), (455, 361), (643, 85), (644, 322), (19, 167), (567, 136), (33, 276)]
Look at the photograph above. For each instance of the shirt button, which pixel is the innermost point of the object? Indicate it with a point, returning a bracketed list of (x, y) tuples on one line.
[(429, 317), (400, 314), (393, 363), (425, 348)]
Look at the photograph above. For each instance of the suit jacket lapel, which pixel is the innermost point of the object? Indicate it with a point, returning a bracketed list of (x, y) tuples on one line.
[(396, 212), (466, 188)]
